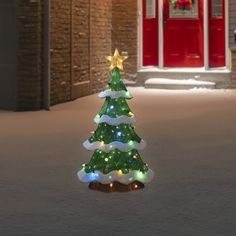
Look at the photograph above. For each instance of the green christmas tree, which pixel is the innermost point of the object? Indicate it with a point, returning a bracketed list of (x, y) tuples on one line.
[(116, 164)]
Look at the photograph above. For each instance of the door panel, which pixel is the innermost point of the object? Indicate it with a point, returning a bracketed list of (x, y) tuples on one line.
[(216, 33), (183, 35), (150, 32)]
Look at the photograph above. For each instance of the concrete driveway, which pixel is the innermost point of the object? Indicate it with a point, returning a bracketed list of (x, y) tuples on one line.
[(191, 139)]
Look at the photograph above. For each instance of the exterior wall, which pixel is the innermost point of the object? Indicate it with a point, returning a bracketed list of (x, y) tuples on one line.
[(100, 42), (60, 51), (29, 56), (232, 43), (125, 32), (80, 40), (80, 48), (83, 32)]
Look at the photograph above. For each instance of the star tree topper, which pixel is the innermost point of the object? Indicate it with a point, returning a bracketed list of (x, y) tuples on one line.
[(116, 60)]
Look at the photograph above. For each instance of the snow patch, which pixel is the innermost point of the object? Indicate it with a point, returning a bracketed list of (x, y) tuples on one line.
[(178, 81), (114, 121), (115, 94), (124, 147), (116, 176)]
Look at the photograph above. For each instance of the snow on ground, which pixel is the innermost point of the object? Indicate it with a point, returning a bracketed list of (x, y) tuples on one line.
[(191, 139), (178, 81)]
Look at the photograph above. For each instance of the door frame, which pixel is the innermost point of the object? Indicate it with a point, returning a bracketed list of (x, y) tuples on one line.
[(161, 36)]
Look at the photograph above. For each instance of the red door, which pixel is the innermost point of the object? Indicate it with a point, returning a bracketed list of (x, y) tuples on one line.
[(216, 33), (150, 32), (183, 35)]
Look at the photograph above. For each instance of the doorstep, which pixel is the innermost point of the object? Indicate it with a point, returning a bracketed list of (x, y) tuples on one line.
[(220, 76), (163, 83)]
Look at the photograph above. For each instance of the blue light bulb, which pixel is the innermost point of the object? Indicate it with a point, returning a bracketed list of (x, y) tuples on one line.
[(112, 107), (119, 134)]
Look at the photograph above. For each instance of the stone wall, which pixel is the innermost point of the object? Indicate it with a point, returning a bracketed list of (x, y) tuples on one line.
[(29, 55), (125, 32)]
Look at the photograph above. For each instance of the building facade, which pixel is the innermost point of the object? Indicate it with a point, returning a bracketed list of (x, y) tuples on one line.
[(52, 51)]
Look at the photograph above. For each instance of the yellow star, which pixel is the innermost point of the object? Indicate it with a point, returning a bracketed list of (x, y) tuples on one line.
[(116, 60)]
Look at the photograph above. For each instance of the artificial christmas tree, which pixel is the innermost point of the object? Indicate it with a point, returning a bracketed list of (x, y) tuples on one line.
[(116, 164)]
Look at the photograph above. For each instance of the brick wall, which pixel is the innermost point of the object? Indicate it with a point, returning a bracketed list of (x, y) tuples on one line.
[(80, 48), (60, 51), (29, 55), (100, 42), (124, 32), (80, 40), (81, 36)]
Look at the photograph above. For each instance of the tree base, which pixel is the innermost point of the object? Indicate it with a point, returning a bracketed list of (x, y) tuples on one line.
[(116, 187)]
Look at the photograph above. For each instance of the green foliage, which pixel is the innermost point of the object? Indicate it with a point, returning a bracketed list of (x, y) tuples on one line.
[(108, 133), (115, 83), (115, 160), (115, 107)]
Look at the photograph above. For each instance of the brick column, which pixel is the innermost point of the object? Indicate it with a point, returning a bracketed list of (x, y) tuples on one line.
[(30, 54)]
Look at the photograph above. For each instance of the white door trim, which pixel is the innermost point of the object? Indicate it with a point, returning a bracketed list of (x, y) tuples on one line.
[(161, 35), (205, 35)]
